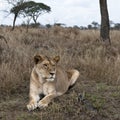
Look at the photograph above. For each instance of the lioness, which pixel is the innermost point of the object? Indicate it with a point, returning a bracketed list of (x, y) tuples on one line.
[(49, 79)]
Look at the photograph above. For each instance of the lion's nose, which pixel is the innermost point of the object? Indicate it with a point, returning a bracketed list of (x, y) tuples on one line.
[(52, 73)]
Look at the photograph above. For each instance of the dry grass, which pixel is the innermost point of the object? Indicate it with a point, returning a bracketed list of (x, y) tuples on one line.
[(99, 67)]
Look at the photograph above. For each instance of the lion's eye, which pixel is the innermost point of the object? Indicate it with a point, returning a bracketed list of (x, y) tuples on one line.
[(45, 65)]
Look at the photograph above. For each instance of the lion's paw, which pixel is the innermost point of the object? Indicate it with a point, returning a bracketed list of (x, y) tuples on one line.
[(32, 106), (42, 104)]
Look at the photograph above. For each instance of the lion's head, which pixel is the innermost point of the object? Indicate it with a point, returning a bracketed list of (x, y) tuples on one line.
[(46, 67)]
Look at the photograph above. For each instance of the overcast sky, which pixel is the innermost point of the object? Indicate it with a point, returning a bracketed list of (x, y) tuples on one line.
[(69, 12)]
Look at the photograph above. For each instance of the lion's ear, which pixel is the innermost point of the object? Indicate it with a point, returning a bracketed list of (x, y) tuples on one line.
[(56, 59), (38, 58)]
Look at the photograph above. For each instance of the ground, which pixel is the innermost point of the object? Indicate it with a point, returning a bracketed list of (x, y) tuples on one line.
[(95, 96)]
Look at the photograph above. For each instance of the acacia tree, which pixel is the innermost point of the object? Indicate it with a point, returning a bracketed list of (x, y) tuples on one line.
[(34, 10), (105, 27), (15, 3), (16, 13), (29, 9)]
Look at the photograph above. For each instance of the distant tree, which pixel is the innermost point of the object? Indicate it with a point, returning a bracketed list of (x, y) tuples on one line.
[(89, 26), (33, 25), (59, 24), (117, 26), (77, 27), (29, 10), (48, 25), (95, 24), (83, 28), (105, 27)]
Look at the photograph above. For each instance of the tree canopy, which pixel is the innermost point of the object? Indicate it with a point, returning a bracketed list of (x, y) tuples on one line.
[(29, 9)]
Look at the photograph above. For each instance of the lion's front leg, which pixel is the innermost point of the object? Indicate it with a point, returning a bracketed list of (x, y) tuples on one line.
[(46, 100), (33, 97), (33, 102)]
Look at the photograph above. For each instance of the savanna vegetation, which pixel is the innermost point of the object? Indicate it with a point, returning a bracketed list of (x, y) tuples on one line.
[(96, 95)]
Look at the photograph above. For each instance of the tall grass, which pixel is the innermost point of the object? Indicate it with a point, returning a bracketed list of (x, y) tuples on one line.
[(78, 49)]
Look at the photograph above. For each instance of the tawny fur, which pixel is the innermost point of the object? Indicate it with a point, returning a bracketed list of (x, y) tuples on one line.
[(49, 79)]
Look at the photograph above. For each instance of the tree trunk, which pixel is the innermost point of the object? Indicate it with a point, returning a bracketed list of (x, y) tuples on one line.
[(105, 27), (35, 20), (14, 21)]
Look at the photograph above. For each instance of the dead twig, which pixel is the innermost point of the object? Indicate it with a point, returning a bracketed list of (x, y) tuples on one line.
[(3, 38)]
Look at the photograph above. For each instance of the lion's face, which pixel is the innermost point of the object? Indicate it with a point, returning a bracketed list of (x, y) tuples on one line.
[(46, 67)]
